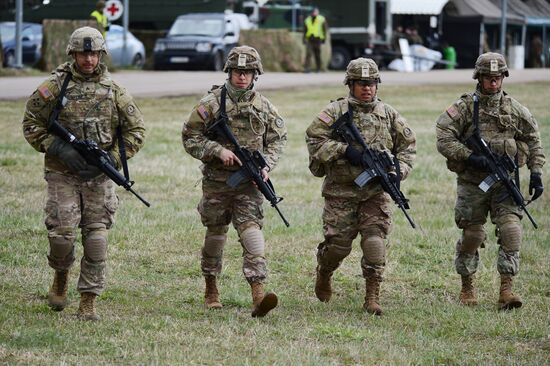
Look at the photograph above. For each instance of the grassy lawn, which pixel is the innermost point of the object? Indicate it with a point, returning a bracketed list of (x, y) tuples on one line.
[(152, 311)]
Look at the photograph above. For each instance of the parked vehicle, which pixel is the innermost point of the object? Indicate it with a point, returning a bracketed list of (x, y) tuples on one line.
[(135, 51), (200, 41), (31, 42)]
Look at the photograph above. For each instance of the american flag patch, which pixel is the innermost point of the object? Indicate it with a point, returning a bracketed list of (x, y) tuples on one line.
[(203, 112), (325, 117), (452, 112), (45, 93)]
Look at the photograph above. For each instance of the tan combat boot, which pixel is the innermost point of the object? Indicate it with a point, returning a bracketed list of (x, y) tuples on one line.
[(57, 296), (211, 294), (262, 304), (371, 298), (86, 310), (468, 294), (507, 300), (323, 288)]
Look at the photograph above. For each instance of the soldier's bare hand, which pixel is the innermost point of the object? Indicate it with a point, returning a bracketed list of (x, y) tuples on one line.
[(229, 158), (265, 174)]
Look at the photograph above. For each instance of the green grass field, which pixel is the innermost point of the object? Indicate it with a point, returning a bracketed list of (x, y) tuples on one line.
[(152, 311)]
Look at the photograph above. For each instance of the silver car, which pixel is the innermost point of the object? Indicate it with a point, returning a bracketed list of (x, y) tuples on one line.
[(135, 51)]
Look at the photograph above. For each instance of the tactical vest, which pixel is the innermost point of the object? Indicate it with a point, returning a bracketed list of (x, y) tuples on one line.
[(248, 121)]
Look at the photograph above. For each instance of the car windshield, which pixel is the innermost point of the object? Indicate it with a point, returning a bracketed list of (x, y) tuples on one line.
[(7, 32), (197, 27)]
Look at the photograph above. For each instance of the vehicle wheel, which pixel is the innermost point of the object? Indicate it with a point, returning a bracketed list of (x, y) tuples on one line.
[(137, 61), (218, 61), (9, 59), (340, 58)]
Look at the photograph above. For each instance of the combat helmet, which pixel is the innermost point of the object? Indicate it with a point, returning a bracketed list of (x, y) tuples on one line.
[(362, 69), (86, 39), (244, 58), (490, 63)]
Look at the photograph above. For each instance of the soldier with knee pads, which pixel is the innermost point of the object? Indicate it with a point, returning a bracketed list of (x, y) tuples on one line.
[(220, 204), (510, 131), (92, 107), (349, 209)]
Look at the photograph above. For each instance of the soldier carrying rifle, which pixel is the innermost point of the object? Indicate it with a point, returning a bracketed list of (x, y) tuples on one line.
[(87, 105), (486, 136), (249, 123)]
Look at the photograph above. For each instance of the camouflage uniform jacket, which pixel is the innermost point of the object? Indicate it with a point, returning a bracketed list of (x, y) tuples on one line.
[(96, 107), (253, 120), (506, 126), (382, 127)]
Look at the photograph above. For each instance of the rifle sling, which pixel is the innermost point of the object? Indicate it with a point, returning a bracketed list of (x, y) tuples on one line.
[(59, 104)]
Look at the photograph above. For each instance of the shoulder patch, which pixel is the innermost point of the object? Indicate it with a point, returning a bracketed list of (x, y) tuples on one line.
[(279, 122), (325, 117), (407, 132), (201, 110), (452, 111), (45, 93)]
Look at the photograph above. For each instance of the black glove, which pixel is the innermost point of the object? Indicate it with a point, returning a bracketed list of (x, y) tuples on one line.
[(478, 161), (535, 184), (353, 155), (90, 172), (70, 157)]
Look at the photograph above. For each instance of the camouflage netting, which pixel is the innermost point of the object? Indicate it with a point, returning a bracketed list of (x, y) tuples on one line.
[(56, 33), (280, 49)]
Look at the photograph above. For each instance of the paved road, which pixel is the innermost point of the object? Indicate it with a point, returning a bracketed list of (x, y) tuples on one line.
[(177, 83)]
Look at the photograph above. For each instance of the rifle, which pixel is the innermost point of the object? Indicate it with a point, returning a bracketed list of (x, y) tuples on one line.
[(88, 149), (252, 162), (375, 163), (499, 166)]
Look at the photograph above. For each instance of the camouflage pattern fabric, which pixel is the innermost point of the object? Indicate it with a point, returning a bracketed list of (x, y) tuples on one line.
[(95, 107), (350, 210), (71, 204), (508, 128), (256, 125), (382, 127)]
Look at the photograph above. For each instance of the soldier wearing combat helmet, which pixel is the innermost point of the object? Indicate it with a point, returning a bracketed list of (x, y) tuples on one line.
[(509, 129), (96, 108), (256, 125), (349, 209)]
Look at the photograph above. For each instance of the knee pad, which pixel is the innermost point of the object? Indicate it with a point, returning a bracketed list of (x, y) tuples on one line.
[(245, 225), (62, 244), (509, 234), (94, 240), (213, 245), (253, 241), (374, 250), (472, 238)]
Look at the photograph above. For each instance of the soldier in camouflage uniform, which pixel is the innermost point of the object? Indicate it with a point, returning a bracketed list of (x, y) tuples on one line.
[(256, 125), (79, 195), (349, 209), (508, 128)]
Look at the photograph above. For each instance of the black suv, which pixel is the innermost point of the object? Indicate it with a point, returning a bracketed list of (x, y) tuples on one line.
[(199, 41)]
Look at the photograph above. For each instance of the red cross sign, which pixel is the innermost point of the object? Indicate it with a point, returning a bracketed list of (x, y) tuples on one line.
[(113, 9)]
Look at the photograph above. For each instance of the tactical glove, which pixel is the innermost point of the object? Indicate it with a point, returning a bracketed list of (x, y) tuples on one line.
[(535, 186), (478, 161), (70, 157), (90, 172), (353, 155)]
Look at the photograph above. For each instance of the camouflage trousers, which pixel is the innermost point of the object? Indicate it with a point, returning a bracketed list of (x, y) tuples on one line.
[(343, 220), (221, 205), (90, 206), (472, 207)]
